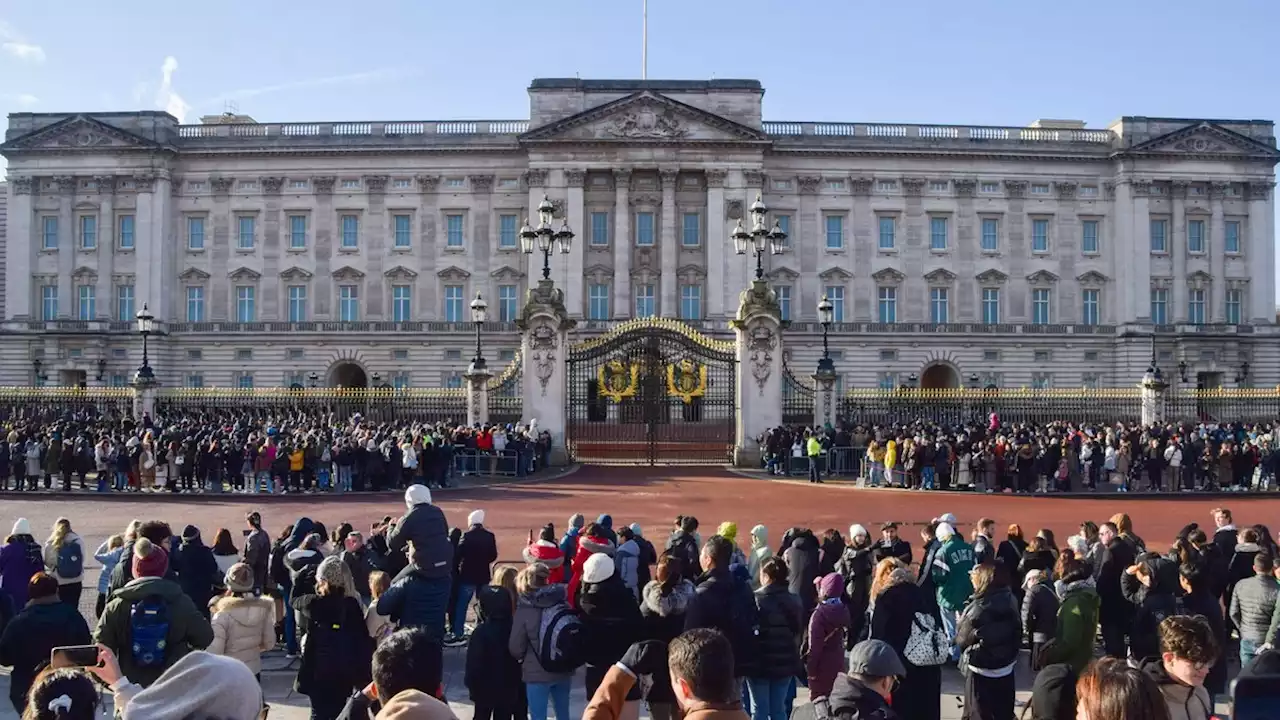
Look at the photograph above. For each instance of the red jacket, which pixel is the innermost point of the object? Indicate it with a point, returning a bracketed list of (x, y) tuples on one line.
[(484, 441), (547, 553), (588, 545)]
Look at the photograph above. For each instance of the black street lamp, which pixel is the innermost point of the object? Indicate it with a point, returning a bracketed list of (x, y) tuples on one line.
[(36, 365), (314, 378), (913, 380), (974, 380), (826, 315), (545, 237), (102, 369), (377, 380), (1243, 374), (479, 313), (1153, 370), (760, 237), (146, 326)]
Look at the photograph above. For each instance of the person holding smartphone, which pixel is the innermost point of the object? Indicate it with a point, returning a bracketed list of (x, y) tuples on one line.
[(45, 623)]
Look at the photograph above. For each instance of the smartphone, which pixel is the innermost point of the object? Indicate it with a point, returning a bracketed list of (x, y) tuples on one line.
[(1255, 698), (74, 656)]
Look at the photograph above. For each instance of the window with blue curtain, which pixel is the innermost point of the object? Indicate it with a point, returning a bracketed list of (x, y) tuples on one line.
[(403, 230), (195, 233), (49, 234), (990, 306), (835, 232), (783, 293), (1231, 241), (1040, 306), (599, 228), (350, 231), (644, 228), (506, 303), (453, 303), (87, 302), (691, 230), (1091, 312), (888, 232), (244, 239), (507, 231), (939, 306), (245, 381), (1089, 236), (990, 234), (1195, 236), (297, 303), (1159, 306), (784, 224), (126, 232), (453, 230), (195, 304), (48, 302), (645, 305), (1196, 307), (1039, 236), (1158, 236), (598, 302), (938, 233), (245, 310), (297, 232), (1235, 301), (124, 303), (691, 302), (888, 304), (348, 303), (835, 294), (88, 232), (401, 303)]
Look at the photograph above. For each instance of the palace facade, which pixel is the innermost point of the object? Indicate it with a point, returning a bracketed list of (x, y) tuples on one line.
[(1047, 255)]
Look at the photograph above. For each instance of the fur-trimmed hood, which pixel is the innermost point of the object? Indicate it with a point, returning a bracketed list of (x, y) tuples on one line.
[(545, 552), (227, 603), (595, 544), (674, 603)]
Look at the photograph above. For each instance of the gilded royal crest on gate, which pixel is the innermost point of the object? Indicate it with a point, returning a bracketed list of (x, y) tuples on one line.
[(686, 380), (618, 380)]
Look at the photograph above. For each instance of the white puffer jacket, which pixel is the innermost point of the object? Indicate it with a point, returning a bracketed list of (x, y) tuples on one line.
[(243, 628)]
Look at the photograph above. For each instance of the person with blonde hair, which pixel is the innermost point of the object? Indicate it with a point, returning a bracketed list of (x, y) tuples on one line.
[(243, 624), (337, 651), (989, 632), (537, 597), (897, 604), (108, 555), (64, 557)]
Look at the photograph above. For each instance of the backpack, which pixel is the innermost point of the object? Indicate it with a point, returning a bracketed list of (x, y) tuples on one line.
[(686, 551), (70, 560), (149, 631), (561, 639)]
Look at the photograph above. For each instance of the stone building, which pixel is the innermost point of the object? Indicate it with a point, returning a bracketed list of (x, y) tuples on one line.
[(1043, 255)]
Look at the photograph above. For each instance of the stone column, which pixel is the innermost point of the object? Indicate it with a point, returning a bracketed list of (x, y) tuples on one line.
[(144, 396), (269, 288), (321, 290), (622, 243), (1259, 248), (668, 246), (812, 237), (1153, 389), (155, 254), (1177, 246), (482, 240), (23, 244), (376, 250), (477, 376), (1216, 246), (576, 261), (545, 325), (758, 331), (103, 289), (1140, 287), (824, 402), (67, 241), (425, 291), (716, 241)]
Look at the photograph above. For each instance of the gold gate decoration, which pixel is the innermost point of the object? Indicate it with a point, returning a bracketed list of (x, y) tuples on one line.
[(687, 380), (617, 380)]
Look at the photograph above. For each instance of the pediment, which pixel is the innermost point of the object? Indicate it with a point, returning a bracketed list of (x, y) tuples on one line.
[(193, 274), (888, 275), (1092, 277), (645, 117), (1200, 277), (992, 277), (506, 272), (79, 132), (691, 271), (84, 271), (1206, 139), (784, 273), (940, 275), (347, 272), (598, 273), (835, 273), (244, 273), (400, 271), (295, 273), (453, 272), (1042, 277)]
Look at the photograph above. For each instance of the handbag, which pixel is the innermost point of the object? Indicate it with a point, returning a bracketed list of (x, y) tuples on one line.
[(928, 645)]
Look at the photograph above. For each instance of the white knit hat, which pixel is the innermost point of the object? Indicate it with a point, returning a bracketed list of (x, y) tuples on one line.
[(945, 531), (21, 527), (417, 495), (855, 530), (947, 518), (476, 517), (597, 568)]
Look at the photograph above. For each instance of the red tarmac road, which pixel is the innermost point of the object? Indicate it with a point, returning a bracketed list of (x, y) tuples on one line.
[(650, 496)]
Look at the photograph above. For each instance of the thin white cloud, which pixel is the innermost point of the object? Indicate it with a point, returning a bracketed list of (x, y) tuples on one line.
[(167, 98), (366, 76), (25, 52), (24, 101)]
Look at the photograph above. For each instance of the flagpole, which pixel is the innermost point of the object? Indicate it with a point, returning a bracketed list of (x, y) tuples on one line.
[(644, 40)]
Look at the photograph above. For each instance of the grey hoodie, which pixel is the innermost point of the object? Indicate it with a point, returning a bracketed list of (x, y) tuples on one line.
[(525, 627), (626, 560)]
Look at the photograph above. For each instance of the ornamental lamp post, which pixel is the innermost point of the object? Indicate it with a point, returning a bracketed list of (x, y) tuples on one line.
[(314, 378), (146, 326), (479, 313), (545, 237), (761, 237), (826, 315)]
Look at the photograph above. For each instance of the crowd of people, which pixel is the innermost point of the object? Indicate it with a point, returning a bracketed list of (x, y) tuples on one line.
[(1032, 458), (224, 452), (719, 627)]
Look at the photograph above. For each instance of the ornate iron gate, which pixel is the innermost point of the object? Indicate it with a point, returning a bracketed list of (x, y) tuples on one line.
[(652, 392)]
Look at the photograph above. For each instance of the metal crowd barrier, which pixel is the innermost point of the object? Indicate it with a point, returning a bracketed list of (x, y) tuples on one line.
[(508, 463)]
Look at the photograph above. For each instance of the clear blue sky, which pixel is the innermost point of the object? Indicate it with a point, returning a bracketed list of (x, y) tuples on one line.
[(995, 62)]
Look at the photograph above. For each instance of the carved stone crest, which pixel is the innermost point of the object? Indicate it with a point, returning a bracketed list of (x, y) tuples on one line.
[(754, 178), (966, 188), (1141, 188), (733, 209), (1109, 190), (22, 185), (272, 185), (809, 184), (222, 185), (83, 138), (1015, 188), (106, 184), (144, 183), (1260, 190), (323, 183), (1198, 145), (1066, 190), (65, 183), (428, 183), (913, 186), (716, 176), (575, 178), (542, 351), (481, 183), (761, 344), (375, 183), (861, 185), (535, 178), (647, 123)]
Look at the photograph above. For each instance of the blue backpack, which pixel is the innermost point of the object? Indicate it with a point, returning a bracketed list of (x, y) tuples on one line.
[(70, 561), (149, 631)]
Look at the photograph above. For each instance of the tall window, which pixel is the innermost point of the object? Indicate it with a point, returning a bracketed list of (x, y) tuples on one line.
[(195, 233), (784, 224), (506, 303), (49, 232), (835, 232), (691, 229), (195, 381), (453, 230), (297, 232), (691, 302), (401, 303), (644, 228), (507, 229), (400, 381), (1235, 301), (939, 307), (245, 310), (888, 304), (348, 303), (990, 234), (350, 232), (644, 301), (48, 302), (598, 302), (1195, 236), (1195, 307), (403, 227), (453, 303), (783, 293), (1040, 306), (1089, 237), (297, 303), (244, 239), (124, 303), (938, 233), (453, 381), (835, 293), (1091, 310), (1159, 306), (126, 232), (1158, 236), (88, 232), (599, 228), (195, 304), (991, 306), (888, 232), (85, 302), (1231, 241), (244, 381), (1039, 236)]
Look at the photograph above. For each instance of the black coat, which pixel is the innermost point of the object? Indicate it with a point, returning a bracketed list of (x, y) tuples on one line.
[(611, 618), (337, 655), (1036, 560), (983, 551), (802, 565), (427, 528), (856, 569), (1040, 613), (1114, 560), (727, 605), (990, 628), (492, 675), (28, 638), (1203, 603), (360, 563), (197, 572), (662, 618), (781, 629), (829, 553), (900, 549), (850, 700), (1152, 605), (475, 554)]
